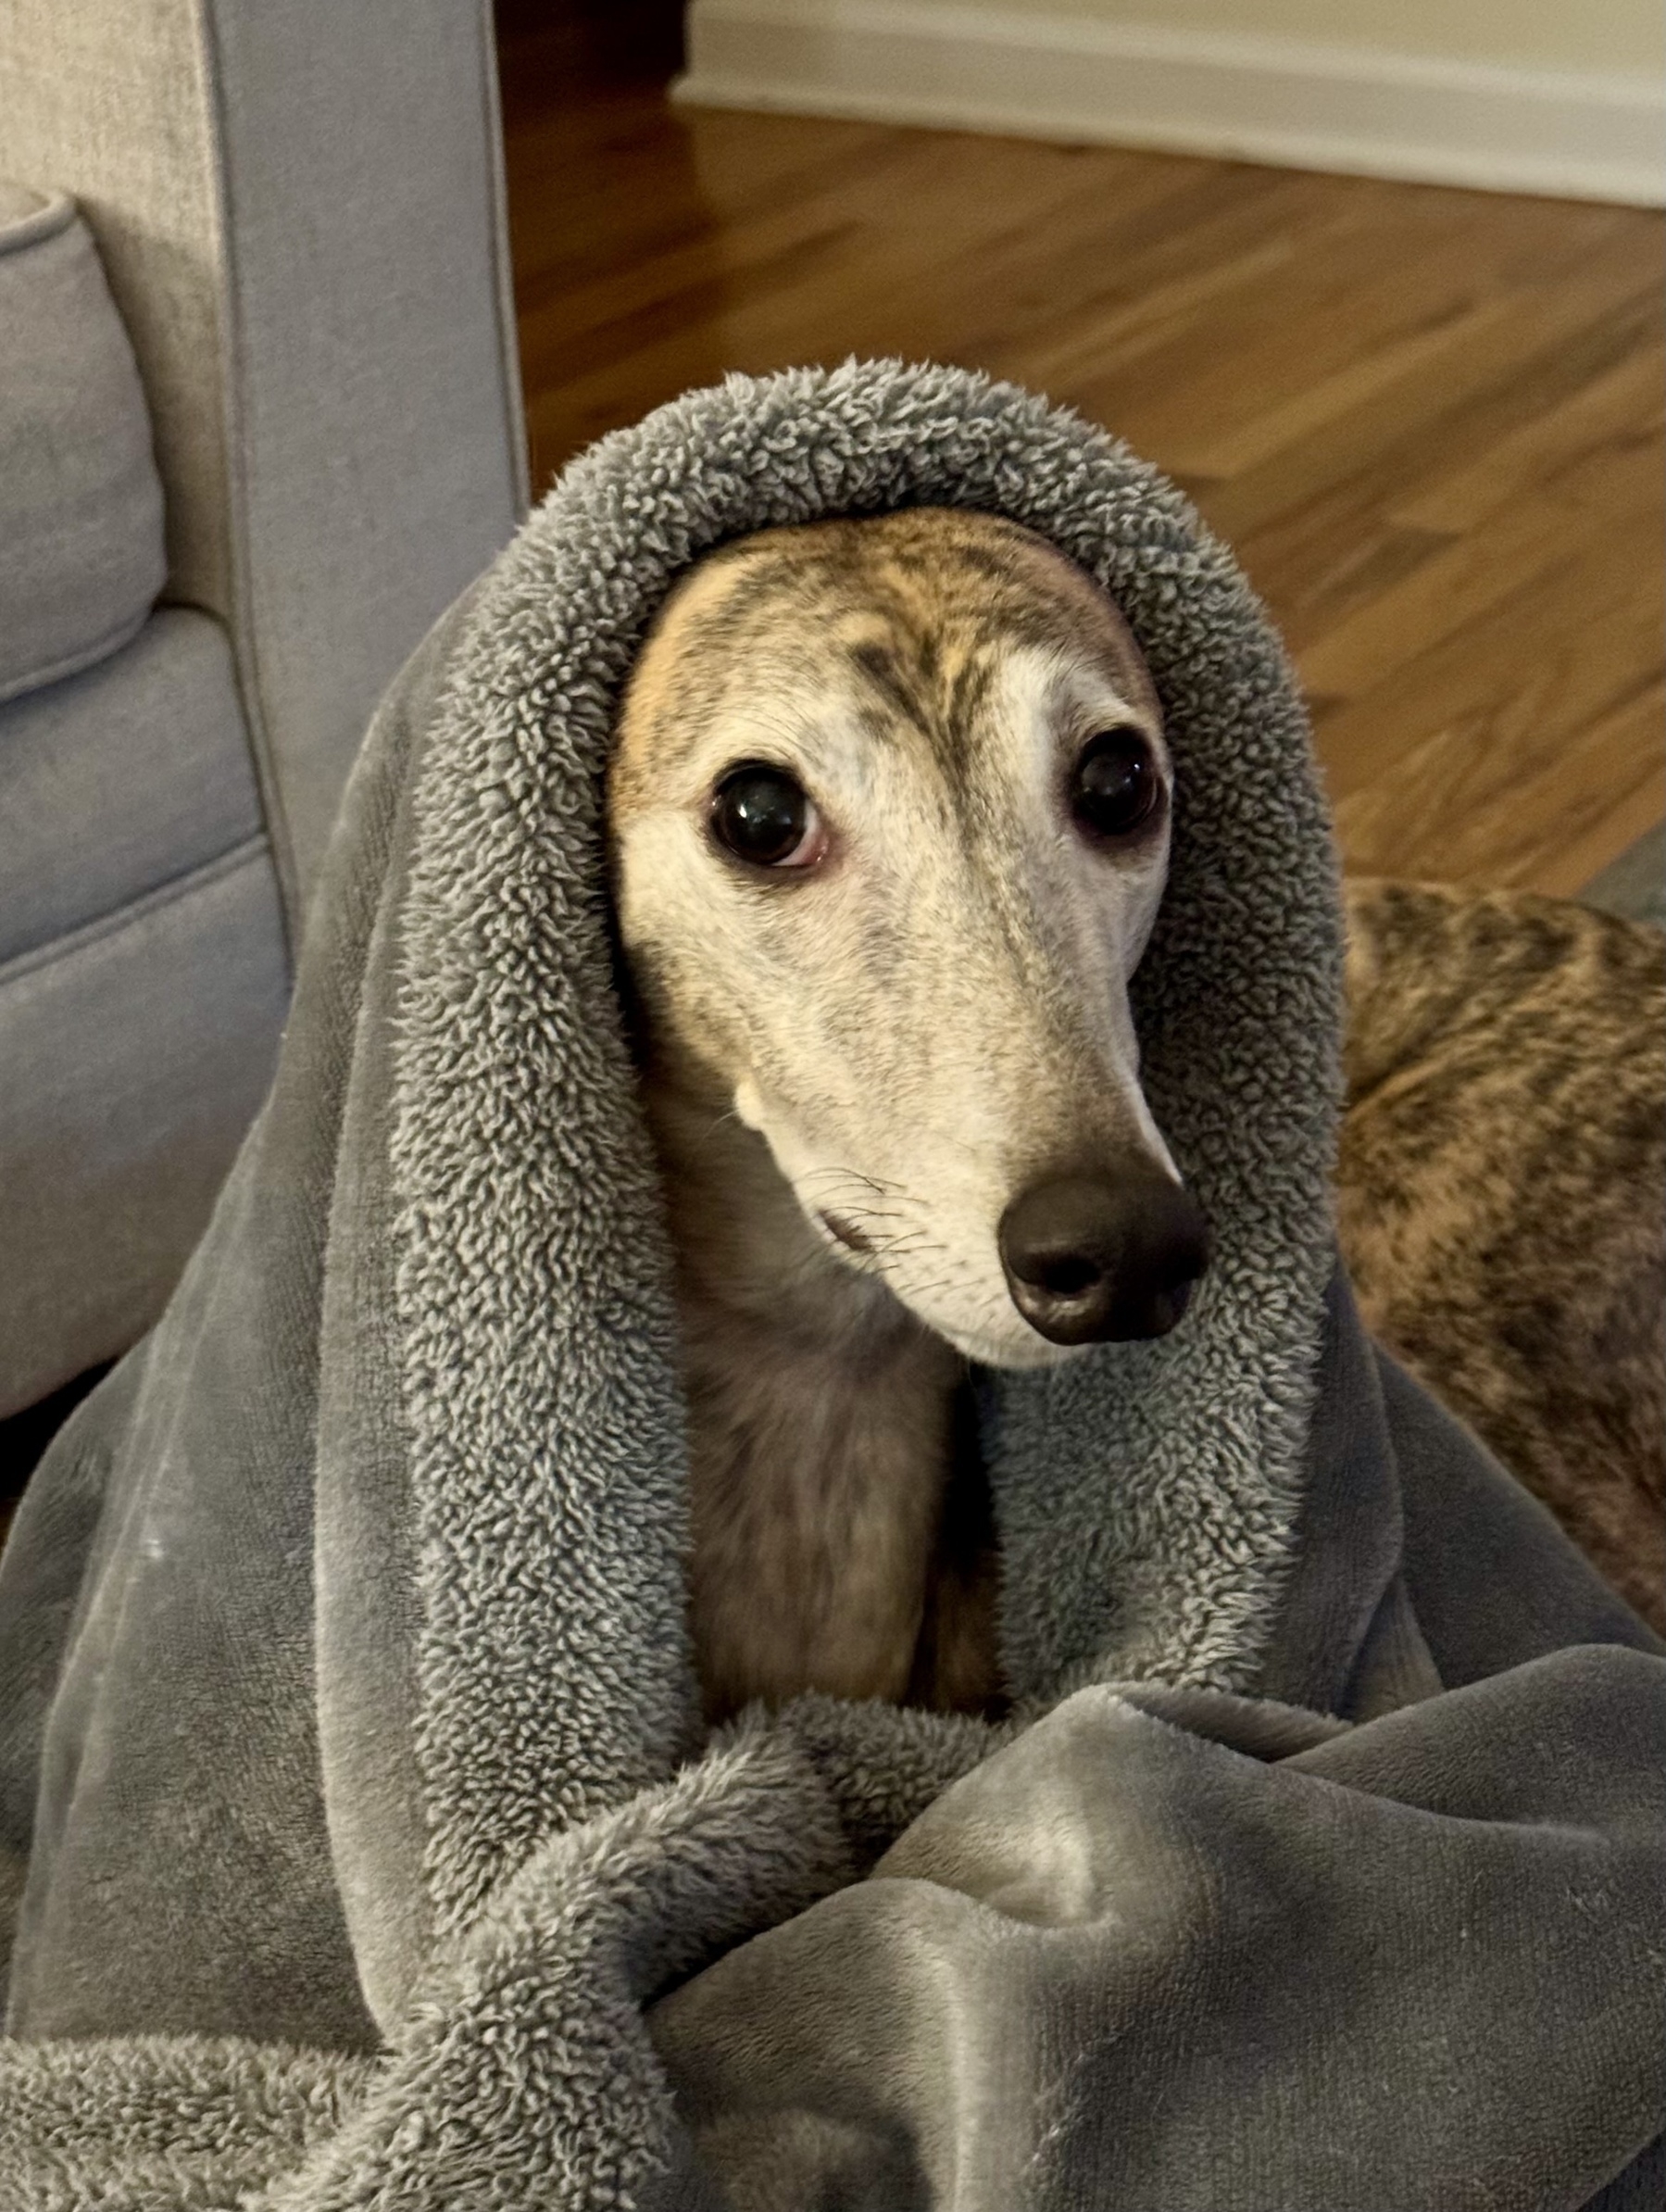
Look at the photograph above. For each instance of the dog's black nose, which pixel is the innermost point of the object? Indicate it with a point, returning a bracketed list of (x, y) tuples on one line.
[(1097, 1263)]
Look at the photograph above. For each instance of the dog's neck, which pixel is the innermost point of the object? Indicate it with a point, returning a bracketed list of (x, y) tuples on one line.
[(821, 1434)]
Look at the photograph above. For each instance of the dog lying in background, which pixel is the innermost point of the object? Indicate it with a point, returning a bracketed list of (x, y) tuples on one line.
[(1502, 1191), (889, 812)]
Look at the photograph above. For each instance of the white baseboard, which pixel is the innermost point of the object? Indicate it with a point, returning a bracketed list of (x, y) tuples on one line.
[(1572, 135)]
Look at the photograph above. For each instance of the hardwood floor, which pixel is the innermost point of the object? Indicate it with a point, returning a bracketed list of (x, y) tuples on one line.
[(1429, 421)]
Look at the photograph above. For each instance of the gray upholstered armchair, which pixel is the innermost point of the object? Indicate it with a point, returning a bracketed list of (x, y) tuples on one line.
[(292, 290)]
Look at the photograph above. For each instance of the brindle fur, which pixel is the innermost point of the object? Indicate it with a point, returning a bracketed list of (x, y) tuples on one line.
[(1503, 1190)]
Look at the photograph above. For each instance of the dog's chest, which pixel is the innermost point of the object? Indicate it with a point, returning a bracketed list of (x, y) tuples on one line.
[(837, 1544)]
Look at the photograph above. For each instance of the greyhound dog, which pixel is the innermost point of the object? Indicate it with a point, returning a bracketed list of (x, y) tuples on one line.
[(888, 813)]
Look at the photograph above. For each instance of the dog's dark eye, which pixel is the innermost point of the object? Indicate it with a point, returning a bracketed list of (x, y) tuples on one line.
[(760, 814), (1116, 788)]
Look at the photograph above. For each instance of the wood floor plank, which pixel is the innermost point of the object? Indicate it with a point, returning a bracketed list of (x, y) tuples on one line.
[(1423, 417), (1343, 315), (1148, 259), (770, 271), (1291, 415), (1336, 531), (1361, 279), (1552, 340), (1622, 398), (1541, 531), (1439, 778), (1451, 814)]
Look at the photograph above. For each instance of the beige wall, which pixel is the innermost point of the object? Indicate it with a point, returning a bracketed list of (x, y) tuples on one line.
[(1623, 36)]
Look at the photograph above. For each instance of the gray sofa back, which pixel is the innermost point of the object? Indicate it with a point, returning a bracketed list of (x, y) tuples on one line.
[(299, 207), (300, 211)]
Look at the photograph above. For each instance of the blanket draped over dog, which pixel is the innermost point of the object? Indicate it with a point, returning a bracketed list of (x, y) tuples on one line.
[(360, 1845)]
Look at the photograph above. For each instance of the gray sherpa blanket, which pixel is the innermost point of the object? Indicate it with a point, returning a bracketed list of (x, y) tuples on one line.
[(360, 1846)]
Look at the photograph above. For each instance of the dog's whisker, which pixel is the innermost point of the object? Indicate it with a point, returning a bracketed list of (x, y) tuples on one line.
[(852, 1175)]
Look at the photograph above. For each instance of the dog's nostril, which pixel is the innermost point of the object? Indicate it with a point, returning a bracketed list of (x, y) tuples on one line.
[(1092, 1260), (1067, 1277)]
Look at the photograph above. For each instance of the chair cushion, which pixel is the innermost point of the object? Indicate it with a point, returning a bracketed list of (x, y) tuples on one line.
[(132, 1057), (120, 779), (82, 555)]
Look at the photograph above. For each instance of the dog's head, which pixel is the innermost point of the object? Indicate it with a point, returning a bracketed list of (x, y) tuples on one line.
[(890, 811)]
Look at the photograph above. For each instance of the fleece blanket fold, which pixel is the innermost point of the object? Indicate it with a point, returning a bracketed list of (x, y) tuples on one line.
[(359, 1842)]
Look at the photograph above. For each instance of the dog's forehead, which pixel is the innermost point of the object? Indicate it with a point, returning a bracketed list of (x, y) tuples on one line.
[(912, 619)]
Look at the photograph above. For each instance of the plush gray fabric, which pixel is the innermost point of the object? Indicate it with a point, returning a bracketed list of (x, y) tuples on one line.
[(115, 781), (348, 1741), (81, 502), (1211, 1928), (299, 209)]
